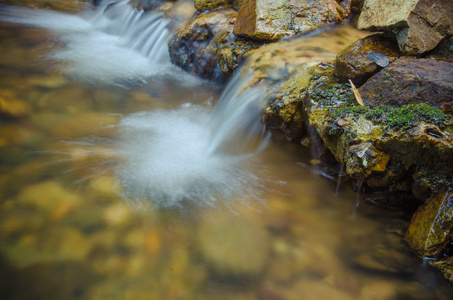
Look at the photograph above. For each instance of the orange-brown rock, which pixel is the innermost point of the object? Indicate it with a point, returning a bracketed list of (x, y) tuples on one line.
[(274, 19)]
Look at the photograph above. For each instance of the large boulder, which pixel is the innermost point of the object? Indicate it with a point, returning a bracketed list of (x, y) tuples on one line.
[(409, 81), (364, 58), (272, 20), (419, 25)]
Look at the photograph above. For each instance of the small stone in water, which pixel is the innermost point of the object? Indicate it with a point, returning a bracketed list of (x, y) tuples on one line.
[(379, 59)]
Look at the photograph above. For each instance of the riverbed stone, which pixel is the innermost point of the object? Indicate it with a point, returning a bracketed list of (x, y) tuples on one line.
[(364, 58), (233, 247), (410, 81), (276, 19), (431, 228), (48, 196), (419, 25)]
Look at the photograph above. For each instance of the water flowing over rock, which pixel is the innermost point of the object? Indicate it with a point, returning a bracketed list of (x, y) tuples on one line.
[(431, 228), (410, 81), (419, 25), (276, 19), (360, 60)]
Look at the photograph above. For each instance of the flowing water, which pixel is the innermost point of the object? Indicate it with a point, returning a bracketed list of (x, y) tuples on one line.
[(118, 181)]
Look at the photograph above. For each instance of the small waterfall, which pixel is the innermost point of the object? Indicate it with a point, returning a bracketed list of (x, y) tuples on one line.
[(111, 43), (236, 124), (145, 32)]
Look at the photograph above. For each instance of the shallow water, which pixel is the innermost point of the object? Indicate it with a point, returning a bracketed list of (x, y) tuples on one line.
[(70, 228)]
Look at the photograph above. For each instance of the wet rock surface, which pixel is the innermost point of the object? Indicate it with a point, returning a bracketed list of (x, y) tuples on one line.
[(364, 58), (419, 25), (273, 20), (207, 47), (410, 81), (431, 229)]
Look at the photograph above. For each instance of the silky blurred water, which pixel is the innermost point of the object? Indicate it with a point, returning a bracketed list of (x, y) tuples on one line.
[(73, 151)]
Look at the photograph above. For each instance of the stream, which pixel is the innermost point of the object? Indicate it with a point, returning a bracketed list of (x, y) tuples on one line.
[(122, 177)]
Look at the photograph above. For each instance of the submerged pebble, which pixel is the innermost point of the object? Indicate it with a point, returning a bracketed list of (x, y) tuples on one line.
[(233, 246)]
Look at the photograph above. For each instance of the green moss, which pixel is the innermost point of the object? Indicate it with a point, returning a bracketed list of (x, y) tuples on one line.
[(410, 115), (404, 117), (335, 94), (353, 111)]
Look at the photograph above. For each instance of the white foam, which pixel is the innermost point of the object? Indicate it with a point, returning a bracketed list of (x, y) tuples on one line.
[(165, 158)]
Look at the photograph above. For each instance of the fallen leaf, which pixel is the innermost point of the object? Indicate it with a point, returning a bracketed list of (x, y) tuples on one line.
[(356, 93)]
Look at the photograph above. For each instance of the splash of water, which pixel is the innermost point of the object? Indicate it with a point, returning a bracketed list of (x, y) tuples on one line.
[(167, 157), (112, 43)]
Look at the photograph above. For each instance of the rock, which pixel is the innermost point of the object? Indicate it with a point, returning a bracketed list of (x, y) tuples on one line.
[(410, 81), (117, 215), (276, 19), (284, 65), (382, 251), (210, 4), (13, 107), (232, 246), (236, 4), (431, 227), (362, 59), (419, 25), (443, 51), (48, 196), (156, 5), (206, 45)]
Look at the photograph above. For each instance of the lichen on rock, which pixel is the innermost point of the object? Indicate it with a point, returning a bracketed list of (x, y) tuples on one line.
[(276, 19)]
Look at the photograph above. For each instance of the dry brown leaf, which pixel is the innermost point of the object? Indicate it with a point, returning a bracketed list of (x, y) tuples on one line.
[(356, 93)]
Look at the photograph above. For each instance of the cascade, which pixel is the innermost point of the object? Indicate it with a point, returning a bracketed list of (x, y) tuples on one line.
[(111, 44)]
